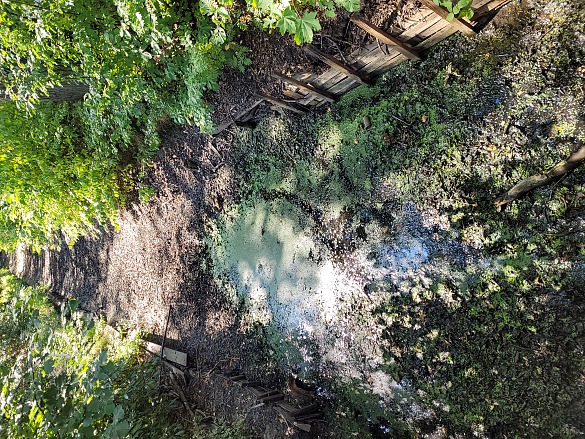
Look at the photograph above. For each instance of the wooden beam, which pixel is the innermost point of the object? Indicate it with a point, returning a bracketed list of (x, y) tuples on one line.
[(168, 354), (306, 87), (335, 64), (280, 103), (460, 25), (386, 38), (489, 7), (242, 113)]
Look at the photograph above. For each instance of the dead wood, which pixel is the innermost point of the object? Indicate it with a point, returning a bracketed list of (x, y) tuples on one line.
[(181, 394), (538, 180)]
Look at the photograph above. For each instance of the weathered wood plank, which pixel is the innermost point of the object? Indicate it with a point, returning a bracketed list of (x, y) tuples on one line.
[(271, 398), (373, 67), (168, 354), (426, 17), (483, 8), (415, 38), (306, 87), (432, 30), (239, 115), (305, 409), (461, 25), (335, 64), (367, 58), (343, 86), (386, 38), (439, 36), (383, 69), (280, 103), (334, 78), (293, 94)]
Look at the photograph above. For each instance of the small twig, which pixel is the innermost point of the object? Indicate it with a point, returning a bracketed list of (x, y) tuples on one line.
[(341, 41), (214, 149), (214, 367), (398, 119)]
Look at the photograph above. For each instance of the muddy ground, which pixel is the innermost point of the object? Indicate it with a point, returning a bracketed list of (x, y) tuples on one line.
[(381, 251)]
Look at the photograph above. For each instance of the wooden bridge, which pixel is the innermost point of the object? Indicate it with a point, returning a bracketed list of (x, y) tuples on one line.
[(427, 27)]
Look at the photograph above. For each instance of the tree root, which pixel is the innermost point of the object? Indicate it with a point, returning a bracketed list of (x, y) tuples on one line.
[(538, 180)]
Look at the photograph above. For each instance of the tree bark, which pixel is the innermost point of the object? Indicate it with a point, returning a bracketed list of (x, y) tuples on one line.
[(69, 92), (538, 180)]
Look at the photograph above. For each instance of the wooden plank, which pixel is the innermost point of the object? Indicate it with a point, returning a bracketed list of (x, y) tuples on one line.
[(302, 426), (306, 87), (271, 398), (393, 63), (424, 15), (412, 35), (293, 94), (260, 392), (284, 413), (168, 354), (439, 36), (279, 103), (305, 409), (386, 38), (376, 65), (311, 101), (335, 64), (368, 57), (333, 78), (239, 115), (487, 7), (306, 77), (343, 85), (460, 25), (174, 369)]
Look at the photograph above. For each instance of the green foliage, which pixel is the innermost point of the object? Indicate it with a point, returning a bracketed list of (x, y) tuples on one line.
[(62, 376), (298, 18), (66, 168), (49, 185), (459, 9)]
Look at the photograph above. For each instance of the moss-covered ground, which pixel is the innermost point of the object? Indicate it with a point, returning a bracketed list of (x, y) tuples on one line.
[(373, 260)]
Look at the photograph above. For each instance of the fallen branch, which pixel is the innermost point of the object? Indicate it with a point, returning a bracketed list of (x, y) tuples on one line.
[(538, 180), (181, 394)]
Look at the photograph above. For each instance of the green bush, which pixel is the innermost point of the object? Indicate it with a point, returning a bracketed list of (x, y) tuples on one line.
[(66, 168), (50, 184), (62, 375)]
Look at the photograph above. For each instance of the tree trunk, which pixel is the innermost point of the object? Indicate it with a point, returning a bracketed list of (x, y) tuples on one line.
[(69, 92)]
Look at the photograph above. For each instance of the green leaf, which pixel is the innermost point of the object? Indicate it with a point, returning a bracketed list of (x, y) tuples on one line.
[(48, 366), (437, 2), (449, 6), (118, 413), (330, 13), (450, 16), (287, 22), (306, 26), (353, 5), (455, 9)]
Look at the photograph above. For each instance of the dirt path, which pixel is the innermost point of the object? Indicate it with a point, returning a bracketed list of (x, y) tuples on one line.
[(133, 275)]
